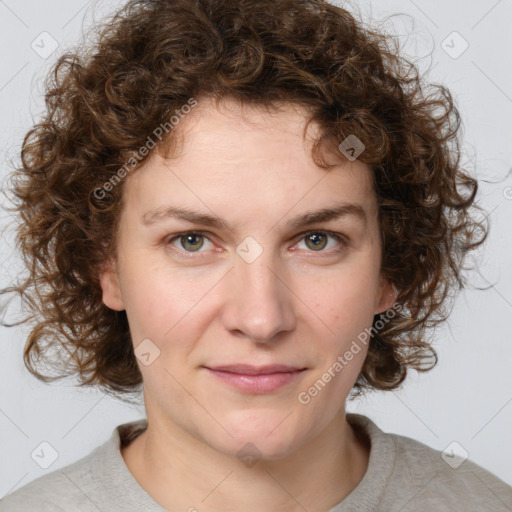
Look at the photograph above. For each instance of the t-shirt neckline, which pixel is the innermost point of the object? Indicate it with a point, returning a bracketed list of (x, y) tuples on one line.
[(364, 497)]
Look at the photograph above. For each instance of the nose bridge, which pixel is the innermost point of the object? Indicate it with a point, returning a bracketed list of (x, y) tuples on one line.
[(260, 304)]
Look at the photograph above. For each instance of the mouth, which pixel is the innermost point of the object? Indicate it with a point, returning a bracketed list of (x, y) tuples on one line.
[(246, 369), (256, 380)]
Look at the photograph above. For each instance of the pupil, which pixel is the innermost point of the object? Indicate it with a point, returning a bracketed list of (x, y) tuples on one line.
[(191, 237), (316, 239)]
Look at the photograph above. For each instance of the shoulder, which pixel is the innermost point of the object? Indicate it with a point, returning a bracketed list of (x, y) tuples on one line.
[(54, 492), (407, 475), (98, 481), (445, 480), (77, 486)]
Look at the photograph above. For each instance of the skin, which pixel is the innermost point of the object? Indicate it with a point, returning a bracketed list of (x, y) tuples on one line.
[(295, 304)]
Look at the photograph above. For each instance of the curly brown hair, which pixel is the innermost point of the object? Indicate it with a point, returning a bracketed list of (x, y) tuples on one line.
[(104, 100)]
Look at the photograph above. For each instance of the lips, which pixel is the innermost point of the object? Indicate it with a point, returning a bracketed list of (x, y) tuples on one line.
[(244, 369), (256, 379), (246, 378)]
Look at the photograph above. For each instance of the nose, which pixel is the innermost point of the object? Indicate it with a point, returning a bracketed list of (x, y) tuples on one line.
[(260, 303)]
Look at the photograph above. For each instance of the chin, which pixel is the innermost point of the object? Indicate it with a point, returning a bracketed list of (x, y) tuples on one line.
[(269, 437), (254, 448)]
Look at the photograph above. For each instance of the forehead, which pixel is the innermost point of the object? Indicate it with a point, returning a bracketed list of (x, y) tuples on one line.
[(226, 127), (245, 155)]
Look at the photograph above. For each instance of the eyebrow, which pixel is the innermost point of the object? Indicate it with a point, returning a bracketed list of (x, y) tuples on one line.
[(312, 217)]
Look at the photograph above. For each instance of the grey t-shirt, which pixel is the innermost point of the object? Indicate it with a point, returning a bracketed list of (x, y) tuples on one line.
[(403, 475)]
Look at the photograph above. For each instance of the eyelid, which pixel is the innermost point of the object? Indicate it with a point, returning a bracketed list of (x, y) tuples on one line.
[(339, 237)]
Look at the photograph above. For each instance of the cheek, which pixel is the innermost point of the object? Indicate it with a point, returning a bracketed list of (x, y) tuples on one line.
[(148, 302), (161, 301), (347, 300)]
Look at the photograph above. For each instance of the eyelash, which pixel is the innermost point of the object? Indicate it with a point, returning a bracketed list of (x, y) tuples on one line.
[(338, 237)]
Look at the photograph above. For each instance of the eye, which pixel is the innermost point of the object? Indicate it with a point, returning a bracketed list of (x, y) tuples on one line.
[(318, 240), (191, 242)]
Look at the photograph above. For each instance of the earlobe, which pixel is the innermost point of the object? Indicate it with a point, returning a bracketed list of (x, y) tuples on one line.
[(109, 282), (386, 297)]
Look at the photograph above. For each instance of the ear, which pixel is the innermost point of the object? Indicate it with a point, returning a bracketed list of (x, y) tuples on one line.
[(109, 281), (385, 297)]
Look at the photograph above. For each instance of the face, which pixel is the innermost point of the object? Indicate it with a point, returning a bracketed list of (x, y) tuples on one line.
[(257, 288)]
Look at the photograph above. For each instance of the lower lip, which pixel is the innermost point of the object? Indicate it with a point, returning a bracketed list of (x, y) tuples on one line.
[(256, 383)]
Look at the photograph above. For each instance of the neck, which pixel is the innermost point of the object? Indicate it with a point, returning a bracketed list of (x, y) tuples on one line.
[(182, 473)]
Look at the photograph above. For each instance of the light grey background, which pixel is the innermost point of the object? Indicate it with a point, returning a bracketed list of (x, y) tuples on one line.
[(466, 398)]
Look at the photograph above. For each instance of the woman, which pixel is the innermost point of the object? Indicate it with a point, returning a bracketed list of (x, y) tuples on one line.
[(251, 211)]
